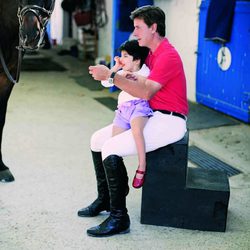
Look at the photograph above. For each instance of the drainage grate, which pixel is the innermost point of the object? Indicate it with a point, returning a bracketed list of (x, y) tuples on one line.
[(207, 161)]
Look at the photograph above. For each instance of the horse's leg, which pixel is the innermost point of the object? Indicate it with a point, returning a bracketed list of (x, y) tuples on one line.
[(5, 91)]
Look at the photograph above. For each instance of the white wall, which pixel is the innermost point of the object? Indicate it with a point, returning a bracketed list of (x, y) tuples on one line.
[(182, 20), (105, 34)]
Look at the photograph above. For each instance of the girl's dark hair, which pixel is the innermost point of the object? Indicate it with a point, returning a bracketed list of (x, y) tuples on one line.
[(133, 48), (151, 14)]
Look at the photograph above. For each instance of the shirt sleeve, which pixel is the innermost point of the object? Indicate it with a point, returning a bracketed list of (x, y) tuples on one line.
[(165, 67), (106, 83), (144, 71)]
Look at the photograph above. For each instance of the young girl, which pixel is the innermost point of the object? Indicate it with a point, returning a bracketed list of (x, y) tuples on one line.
[(132, 112)]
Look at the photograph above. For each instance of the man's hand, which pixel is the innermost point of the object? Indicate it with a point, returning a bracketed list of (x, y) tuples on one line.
[(99, 72)]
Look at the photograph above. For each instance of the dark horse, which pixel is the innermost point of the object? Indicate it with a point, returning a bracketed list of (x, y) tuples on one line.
[(22, 27)]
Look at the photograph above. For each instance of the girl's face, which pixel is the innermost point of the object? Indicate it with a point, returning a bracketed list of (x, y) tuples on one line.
[(128, 64)]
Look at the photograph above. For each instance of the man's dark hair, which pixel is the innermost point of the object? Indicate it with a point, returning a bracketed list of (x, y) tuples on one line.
[(133, 48), (151, 14)]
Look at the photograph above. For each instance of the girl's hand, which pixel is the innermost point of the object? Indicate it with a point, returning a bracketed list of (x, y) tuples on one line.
[(118, 65), (129, 75)]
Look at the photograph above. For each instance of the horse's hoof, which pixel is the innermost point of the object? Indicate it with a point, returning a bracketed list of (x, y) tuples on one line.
[(6, 176)]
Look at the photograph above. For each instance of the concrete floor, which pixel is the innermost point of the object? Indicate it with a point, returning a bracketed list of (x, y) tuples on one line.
[(46, 145)]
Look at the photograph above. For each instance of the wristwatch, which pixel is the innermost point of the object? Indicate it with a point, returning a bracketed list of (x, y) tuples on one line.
[(111, 78)]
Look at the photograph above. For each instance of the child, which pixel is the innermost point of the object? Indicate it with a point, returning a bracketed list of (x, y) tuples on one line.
[(132, 112)]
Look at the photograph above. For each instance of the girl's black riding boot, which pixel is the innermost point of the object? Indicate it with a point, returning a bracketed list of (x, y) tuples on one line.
[(118, 221), (102, 201)]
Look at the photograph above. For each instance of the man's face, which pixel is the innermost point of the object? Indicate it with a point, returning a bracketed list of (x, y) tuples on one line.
[(142, 32)]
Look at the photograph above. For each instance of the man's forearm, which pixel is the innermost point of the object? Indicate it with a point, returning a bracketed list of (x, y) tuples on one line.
[(135, 87)]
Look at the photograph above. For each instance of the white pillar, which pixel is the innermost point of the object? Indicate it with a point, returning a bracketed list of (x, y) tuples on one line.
[(56, 26)]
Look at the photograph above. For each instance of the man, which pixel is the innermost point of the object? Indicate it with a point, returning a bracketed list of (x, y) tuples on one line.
[(165, 88)]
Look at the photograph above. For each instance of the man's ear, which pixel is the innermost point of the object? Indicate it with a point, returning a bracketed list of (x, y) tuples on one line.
[(154, 28)]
